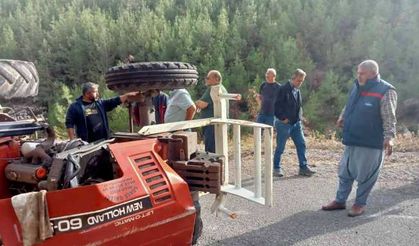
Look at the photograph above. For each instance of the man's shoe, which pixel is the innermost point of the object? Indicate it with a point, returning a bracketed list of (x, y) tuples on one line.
[(278, 173), (334, 206), (306, 172), (356, 210)]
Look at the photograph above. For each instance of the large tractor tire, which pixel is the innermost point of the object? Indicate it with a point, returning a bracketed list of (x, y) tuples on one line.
[(146, 76), (18, 79)]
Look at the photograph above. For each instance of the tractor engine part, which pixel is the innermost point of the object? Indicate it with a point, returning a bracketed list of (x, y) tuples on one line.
[(189, 143), (27, 147), (9, 150), (143, 112), (25, 173), (179, 146), (203, 173)]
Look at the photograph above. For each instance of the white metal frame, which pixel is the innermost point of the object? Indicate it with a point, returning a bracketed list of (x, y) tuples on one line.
[(261, 194)]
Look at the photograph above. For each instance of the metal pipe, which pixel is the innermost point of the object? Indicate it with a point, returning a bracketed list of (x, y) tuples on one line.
[(230, 96), (218, 206), (237, 157), (130, 118), (144, 112), (268, 165), (227, 212), (258, 166)]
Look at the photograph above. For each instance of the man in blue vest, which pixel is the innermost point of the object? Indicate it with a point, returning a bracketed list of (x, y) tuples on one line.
[(369, 127), (87, 117)]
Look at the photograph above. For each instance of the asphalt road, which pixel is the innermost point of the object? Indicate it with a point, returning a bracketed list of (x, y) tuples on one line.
[(392, 216)]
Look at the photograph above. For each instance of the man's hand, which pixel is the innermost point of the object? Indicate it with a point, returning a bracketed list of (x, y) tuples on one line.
[(190, 112), (201, 104), (258, 98), (238, 97), (131, 96), (388, 146), (339, 122)]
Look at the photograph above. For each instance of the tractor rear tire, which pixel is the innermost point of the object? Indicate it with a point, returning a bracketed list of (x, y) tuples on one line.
[(18, 79), (146, 76)]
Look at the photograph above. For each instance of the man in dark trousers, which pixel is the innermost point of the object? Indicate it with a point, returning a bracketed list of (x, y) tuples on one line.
[(206, 106), (369, 127), (160, 106), (268, 92), (87, 119), (288, 112)]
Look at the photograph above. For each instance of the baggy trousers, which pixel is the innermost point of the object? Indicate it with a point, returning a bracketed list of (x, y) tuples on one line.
[(363, 165)]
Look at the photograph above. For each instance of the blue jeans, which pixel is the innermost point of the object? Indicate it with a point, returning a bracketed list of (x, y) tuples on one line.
[(295, 131), (209, 139), (265, 119)]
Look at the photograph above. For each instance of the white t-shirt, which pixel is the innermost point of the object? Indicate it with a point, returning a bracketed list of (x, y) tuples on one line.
[(179, 101)]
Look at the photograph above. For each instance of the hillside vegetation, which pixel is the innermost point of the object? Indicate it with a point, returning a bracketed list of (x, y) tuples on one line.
[(73, 41)]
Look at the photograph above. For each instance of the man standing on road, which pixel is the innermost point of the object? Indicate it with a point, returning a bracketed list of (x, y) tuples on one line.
[(288, 112), (87, 118), (369, 127), (268, 93)]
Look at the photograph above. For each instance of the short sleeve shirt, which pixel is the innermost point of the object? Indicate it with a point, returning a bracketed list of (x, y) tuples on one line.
[(208, 112), (179, 101)]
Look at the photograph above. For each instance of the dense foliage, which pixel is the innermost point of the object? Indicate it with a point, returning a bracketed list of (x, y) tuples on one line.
[(73, 41)]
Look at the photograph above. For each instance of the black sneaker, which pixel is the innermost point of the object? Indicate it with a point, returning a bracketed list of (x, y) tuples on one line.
[(278, 173), (306, 172)]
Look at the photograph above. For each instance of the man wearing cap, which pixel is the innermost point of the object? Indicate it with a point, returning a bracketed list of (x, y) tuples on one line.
[(87, 119)]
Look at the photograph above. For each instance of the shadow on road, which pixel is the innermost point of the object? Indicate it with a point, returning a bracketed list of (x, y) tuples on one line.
[(307, 224)]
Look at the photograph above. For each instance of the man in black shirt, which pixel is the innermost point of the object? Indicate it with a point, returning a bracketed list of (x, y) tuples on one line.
[(87, 117), (267, 97), (95, 128)]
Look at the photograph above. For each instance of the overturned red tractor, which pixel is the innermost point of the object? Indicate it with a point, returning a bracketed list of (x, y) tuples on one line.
[(129, 190)]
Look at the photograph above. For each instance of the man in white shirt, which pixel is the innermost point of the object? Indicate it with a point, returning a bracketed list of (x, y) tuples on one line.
[(180, 106)]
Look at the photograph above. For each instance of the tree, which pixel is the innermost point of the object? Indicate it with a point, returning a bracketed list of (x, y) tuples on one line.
[(8, 45), (329, 93), (73, 41)]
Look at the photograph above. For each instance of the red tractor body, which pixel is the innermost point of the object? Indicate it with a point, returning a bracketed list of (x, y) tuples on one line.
[(148, 204)]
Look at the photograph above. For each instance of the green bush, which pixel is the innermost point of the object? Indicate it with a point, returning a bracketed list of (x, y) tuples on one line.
[(325, 104), (78, 40), (57, 107)]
